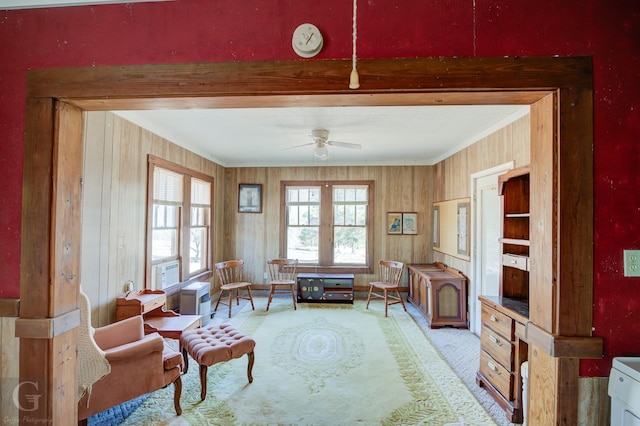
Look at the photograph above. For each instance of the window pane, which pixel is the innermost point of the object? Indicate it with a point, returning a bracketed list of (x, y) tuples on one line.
[(361, 215), (350, 245), (302, 244), (198, 249), (338, 215), (164, 243)]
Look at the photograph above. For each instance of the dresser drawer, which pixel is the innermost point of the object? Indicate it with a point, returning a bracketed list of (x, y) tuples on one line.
[(515, 261), (497, 346), (499, 377), (497, 321)]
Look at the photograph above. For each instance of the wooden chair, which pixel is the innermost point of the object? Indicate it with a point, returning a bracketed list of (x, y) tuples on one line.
[(231, 277), (389, 276), (282, 278)]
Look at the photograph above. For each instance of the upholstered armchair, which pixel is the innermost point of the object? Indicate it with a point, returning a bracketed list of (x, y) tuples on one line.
[(118, 362)]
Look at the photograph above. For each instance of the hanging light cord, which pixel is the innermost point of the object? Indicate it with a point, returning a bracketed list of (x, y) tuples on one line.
[(354, 80)]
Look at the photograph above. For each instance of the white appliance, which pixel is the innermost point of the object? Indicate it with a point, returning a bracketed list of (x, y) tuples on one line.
[(624, 390), (167, 274), (196, 300)]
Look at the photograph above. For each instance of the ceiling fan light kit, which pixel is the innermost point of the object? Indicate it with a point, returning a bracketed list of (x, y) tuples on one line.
[(321, 152)]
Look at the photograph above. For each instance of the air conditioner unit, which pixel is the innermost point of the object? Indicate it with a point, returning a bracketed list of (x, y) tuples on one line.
[(167, 274), (195, 300)]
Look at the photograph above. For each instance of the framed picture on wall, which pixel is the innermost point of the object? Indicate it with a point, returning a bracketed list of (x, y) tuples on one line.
[(250, 198), (435, 232), (463, 228), (410, 223), (394, 223)]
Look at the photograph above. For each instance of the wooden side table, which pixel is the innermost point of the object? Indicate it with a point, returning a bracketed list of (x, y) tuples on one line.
[(151, 305)]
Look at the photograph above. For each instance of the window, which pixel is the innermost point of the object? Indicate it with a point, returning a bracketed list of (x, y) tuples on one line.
[(327, 225), (179, 232)]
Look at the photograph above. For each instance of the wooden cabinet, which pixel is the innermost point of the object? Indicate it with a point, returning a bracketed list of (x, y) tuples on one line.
[(440, 293), (505, 318), (513, 186)]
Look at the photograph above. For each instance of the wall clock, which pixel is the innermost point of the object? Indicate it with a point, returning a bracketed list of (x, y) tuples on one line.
[(307, 41)]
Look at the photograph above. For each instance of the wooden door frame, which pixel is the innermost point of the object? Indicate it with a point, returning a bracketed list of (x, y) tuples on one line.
[(562, 164)]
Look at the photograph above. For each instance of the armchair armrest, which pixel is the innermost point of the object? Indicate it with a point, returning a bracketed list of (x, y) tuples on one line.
[(148, 344), (119, 333)]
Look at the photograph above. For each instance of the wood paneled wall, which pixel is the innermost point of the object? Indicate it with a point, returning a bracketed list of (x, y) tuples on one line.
[(255, 237), (114, 206), (453, 175)]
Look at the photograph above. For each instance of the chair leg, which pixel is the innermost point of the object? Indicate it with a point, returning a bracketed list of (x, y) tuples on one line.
[(250, 366), (386, 302), (218, 302), (270, 296), (176, 395), (203, 382), (250, 298), (401, 301), (293, 297), (369, 298), (230, 302)]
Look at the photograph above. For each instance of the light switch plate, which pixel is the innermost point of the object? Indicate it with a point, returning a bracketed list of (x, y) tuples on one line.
[(631, 263)]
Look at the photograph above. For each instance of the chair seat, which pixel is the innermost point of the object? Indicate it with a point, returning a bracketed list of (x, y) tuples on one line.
[(381, 284), (231, 286), (283, 282)]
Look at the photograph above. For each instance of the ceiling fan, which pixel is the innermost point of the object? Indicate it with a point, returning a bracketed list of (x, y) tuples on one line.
[(321, 141)]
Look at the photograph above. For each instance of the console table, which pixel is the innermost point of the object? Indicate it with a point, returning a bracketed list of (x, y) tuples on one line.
[(151, 305), (325, 287), (440, 293)]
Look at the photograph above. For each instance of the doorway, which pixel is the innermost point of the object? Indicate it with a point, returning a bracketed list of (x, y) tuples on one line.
[(486, 230), (56, 98)]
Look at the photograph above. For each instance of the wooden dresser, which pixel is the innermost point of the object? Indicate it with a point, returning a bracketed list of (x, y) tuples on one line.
[(503, 350), (440, 293), (151, 305), (504, 318)]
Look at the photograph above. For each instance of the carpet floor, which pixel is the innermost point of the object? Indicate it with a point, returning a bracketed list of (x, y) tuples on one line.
[(459, 348)]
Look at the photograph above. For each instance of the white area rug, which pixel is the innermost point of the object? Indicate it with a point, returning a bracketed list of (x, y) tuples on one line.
[(324, 364)]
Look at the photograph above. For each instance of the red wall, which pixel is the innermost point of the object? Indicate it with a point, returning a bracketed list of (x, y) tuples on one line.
[(232, 30)]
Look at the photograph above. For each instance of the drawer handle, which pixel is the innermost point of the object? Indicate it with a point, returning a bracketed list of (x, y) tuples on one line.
[(494, 339), (492, 366), (513, 262), (494, 318)]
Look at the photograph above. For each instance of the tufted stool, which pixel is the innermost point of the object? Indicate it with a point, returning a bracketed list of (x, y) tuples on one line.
[(213, 344)]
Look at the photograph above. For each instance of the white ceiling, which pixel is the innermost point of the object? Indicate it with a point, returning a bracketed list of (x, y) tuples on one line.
[(397, 135)]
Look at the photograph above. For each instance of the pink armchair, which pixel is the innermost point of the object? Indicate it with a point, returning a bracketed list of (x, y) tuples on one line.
[(138, 364)]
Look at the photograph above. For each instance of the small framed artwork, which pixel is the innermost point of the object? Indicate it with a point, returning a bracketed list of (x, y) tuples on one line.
[(463, 228), (394, 223), (250, 198), (410, 223), (436, 227)]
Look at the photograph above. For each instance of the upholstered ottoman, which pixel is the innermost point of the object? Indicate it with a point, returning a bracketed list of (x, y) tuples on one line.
[(213, 344)]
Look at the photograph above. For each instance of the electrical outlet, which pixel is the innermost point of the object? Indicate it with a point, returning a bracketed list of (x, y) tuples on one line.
[(632, 263), (266, 275)]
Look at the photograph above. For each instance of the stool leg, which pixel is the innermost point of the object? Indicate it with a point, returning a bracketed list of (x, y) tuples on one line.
[(185, 358), (176, 395), (203, 382), (250, 366)]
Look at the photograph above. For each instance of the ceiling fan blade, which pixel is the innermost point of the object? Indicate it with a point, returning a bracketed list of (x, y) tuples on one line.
[(298, 146), (345, 144)]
